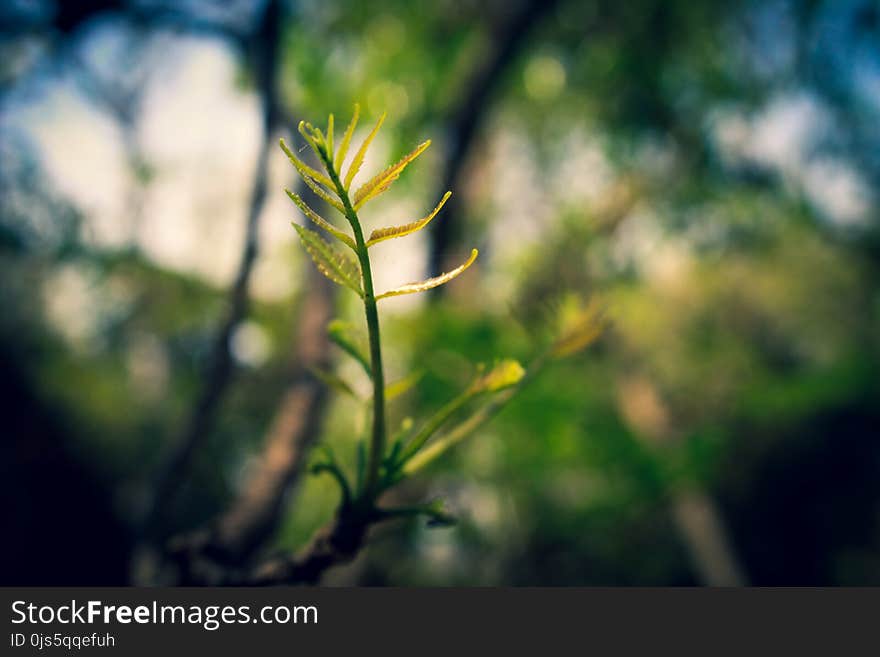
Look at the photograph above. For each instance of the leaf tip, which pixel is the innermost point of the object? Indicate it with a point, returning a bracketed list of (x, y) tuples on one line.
[(504, 374)]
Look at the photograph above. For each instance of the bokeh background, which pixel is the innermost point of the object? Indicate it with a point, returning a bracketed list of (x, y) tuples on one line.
[(707, 169)]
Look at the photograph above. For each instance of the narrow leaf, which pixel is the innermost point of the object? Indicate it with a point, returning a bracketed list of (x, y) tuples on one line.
[(579, 330), (435, 513), (334, 381), (381, 234), (318, 136), (358, 160), (402, 386), (345, 337), (346, 139), (429, 428), (330, 135), (382, 181), (304, 169), (311, 136), (319, 220), (438, 516), (411, 288), (320, 192), (504, 374), (458, 433), (336, 266)]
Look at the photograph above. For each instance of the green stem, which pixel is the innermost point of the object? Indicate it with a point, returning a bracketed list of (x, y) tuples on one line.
[(333, 470), (377, 440)]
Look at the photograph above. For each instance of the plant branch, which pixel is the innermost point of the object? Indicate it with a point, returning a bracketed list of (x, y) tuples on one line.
[(341, 540), (336, 543), (377, 440), (254, 515)]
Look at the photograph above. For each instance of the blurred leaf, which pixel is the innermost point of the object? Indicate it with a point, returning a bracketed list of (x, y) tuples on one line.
[(334, 381), (346, 337), (503, 375), (402, 386), (580, 327)]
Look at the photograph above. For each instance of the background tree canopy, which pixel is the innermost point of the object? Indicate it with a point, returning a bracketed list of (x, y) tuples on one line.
[(707, 170)]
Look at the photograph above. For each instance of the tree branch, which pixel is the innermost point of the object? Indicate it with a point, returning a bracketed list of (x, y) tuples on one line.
[(468, 117), (219, 369), (336, 543), (254, 516)]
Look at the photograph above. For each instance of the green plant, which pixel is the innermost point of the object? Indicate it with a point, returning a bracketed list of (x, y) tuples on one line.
[(382, 463)]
